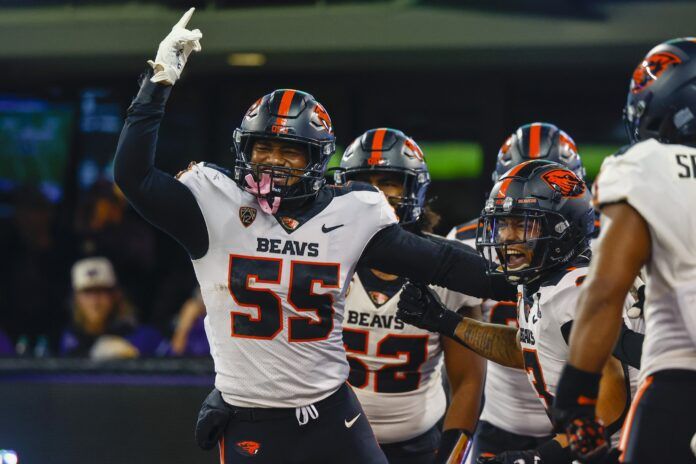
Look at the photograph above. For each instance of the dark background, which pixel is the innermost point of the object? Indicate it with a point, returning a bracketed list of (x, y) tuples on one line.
[(441, 71)]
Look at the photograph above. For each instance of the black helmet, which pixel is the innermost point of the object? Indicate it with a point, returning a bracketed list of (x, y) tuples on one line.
[(553, 205), (539, 140), (289, 115), (389, 150), (661, 100)]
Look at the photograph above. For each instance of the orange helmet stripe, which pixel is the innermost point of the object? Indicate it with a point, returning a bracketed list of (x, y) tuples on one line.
[(284, 107), (508, 178), (377, 143), (534, 141)]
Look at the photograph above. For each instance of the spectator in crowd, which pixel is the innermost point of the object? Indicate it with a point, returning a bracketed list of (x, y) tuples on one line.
[(34, 282), (6, 347), (107, 227), (189, 337), (104, 324)]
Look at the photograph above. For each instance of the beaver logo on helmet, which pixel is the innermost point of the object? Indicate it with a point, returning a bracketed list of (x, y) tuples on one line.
[(565, 182), (253, 109), (320, 118), (412, 150), (651, 68)]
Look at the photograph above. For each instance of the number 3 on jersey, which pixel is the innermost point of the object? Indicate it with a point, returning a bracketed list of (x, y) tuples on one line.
[(268, 322)]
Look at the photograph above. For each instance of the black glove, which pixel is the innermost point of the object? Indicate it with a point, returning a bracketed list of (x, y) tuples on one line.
[(512, 457), (212, 420), (573, 413), (550, 452), (420, 306)]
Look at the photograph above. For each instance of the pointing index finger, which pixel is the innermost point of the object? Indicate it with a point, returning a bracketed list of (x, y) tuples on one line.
[(183, 22)]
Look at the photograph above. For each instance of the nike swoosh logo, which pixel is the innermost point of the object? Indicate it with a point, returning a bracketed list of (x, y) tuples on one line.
[(326, 230), (350, 423)]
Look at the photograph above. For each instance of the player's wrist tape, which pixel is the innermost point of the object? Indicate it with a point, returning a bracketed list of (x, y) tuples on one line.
[(453, 444), (151, 92), (577, 388), (449, 322), (552, 452)]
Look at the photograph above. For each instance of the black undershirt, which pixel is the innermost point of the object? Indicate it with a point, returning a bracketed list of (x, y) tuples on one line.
[(170, 205)]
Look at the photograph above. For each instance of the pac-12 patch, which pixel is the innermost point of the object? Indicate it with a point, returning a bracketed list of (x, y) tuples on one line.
[(247, 214), (247, 447)]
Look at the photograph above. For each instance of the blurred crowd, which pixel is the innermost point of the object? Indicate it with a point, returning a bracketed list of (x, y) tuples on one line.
[(95, 282)]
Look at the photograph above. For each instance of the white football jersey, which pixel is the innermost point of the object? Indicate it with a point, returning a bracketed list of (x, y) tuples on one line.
[(659, 181), (395, 367), (275, 293), (540, 316), (511, 404)]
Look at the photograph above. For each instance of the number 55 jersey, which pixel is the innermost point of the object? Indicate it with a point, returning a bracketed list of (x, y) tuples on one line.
[(274, 287)]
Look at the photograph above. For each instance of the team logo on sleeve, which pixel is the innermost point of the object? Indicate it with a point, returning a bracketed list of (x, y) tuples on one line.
[(247, 447), (565, 182), (247, 215)]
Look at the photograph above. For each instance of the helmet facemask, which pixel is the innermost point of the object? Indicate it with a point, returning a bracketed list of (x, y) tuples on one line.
[(270, 183), (409, 205)]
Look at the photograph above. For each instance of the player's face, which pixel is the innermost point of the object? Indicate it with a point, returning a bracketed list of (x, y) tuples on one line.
[(283, 154), (516, 229), (95, 306), (390, 183)]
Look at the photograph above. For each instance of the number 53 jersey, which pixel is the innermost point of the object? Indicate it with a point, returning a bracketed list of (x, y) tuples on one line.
[(274, 288)]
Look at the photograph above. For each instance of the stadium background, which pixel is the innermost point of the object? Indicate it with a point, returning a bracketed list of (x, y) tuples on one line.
[(458, 76)]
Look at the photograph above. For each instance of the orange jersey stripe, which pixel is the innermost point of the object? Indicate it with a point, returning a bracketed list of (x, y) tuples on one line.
[(377, 143), (465, 228), (535, 141), (284, 106), (508, 179), (626, 431), (222, 450)]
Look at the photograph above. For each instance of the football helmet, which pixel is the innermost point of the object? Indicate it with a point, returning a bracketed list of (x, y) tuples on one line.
[(547, 206), (389, 150), (293, 116), (538, 140), (661, 101)]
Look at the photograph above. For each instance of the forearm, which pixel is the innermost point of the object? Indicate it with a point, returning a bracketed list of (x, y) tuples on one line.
[(156, 195), (433, 261), (466, 372), (598, 325), (494, 342)]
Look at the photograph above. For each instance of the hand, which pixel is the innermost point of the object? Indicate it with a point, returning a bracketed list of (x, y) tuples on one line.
[(588, 440), (420, 306), (512, 457), (174, 50)]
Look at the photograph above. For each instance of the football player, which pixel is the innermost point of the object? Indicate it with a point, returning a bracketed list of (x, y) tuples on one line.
[(395, 368), (535, 231), (512, 417), (646, 194), (274, 250)]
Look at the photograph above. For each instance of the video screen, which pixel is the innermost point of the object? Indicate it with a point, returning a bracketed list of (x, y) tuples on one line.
[(35, 142)]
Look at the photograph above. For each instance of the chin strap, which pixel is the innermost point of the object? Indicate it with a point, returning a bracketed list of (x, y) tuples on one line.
[(262, 188)]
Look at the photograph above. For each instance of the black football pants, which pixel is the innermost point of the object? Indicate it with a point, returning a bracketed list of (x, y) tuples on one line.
[(662, 420), (417, 450), (490, 440), (333, 430)]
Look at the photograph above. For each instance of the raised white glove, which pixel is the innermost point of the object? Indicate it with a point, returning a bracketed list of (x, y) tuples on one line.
[(174, 50)]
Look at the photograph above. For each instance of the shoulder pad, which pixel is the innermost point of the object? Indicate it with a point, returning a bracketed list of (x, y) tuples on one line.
[(225, 171), (466, 231), (566, 276), (352, 186)]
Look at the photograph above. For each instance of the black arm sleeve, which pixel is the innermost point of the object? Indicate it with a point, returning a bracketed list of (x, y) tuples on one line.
[(434, 260), (157, 196), (628, 348)]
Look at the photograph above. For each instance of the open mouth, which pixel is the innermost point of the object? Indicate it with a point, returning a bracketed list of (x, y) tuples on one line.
[(516, 259)]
